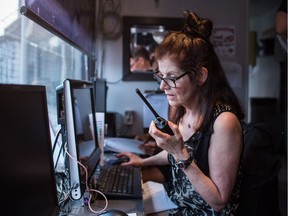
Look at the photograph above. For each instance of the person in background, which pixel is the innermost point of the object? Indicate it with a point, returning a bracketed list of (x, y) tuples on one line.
[(281, 19), (149, 147), (140, 60), (204, 152), (281, 24), (160, 174)]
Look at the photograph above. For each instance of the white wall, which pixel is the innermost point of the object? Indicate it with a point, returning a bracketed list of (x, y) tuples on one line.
[(121, 95)]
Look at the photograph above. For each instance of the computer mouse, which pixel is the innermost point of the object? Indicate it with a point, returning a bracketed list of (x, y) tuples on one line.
[(113, 212), (119, 160)]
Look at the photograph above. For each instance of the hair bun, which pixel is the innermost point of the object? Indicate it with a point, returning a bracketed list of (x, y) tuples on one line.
[(196, 26)]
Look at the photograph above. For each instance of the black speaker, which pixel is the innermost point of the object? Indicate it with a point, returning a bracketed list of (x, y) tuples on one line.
[(100, 89), (110, 120)]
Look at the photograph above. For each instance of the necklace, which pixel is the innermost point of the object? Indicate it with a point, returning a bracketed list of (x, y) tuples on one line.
[(190, 122)]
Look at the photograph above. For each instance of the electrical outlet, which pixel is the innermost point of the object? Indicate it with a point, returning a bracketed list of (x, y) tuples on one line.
[(128, 117)]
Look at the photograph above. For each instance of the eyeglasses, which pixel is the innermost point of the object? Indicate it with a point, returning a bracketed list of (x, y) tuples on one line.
[(170, 81)]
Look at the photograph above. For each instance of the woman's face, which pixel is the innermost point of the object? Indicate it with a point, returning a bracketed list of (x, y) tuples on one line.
[(183, 94)]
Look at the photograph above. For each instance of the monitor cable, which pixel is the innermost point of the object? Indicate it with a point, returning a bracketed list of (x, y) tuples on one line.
[(63, 189), (56, 139), (54, 146), (62, 177)]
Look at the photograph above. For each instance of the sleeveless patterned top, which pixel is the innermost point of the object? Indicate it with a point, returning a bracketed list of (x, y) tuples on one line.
[(182, 192)]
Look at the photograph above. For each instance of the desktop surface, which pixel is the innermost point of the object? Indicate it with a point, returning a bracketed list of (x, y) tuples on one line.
[(129, 206)]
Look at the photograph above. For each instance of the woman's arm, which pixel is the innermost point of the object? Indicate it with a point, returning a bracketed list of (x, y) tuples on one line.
[(223, 157), (156, 160)]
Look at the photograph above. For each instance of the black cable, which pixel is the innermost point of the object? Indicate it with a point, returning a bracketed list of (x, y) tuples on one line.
[(61, 148), (55, 141)]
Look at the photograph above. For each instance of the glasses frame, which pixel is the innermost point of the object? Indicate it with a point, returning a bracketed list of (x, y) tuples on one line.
[(173, 79)]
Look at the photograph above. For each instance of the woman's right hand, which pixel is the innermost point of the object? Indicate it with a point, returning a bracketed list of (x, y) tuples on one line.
[(134, 160), (173, 144)]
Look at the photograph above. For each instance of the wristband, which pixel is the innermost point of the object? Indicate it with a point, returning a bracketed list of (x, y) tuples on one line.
[(183, 164)]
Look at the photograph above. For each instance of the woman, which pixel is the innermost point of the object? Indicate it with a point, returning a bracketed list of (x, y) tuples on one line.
[(204, 152)]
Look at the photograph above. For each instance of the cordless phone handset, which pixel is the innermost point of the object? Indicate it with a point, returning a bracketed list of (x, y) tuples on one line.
[(160, 122)]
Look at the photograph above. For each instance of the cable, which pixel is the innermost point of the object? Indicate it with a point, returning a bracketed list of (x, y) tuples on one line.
[(55, 140), (63, 189), (61, 148), (87, 187), (54, 146)]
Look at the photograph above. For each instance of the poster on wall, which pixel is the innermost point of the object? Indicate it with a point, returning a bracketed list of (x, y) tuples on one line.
[(224, 40)]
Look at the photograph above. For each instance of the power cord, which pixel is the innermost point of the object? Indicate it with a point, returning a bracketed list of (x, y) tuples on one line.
[(88, 189), (62, 182)]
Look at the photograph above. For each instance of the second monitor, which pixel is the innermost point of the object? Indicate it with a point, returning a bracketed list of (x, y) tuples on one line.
[(75, 100)]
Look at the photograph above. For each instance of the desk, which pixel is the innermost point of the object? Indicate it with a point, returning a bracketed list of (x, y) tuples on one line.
[(128, 206)]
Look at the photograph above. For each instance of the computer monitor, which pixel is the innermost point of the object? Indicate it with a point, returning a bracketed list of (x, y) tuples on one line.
[(27, 173), (77, 97)]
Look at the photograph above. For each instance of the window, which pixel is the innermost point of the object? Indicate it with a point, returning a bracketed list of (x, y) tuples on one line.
[(29, 54)]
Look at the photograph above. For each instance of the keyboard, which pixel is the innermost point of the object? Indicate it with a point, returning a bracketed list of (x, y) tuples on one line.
[(120, 182)]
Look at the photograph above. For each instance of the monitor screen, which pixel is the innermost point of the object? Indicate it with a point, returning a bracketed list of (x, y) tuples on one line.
[(27, 171), (81, 132)]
